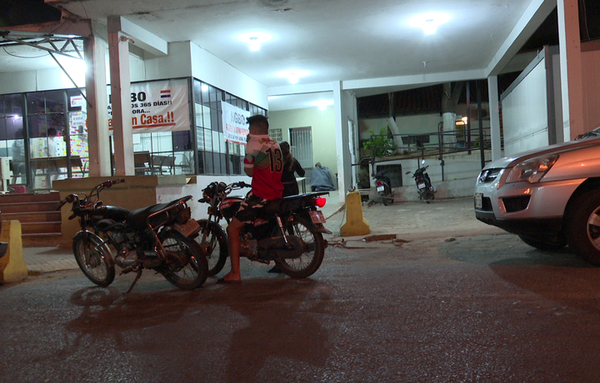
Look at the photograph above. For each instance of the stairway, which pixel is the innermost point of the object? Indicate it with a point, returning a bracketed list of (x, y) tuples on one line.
[(40, 221)]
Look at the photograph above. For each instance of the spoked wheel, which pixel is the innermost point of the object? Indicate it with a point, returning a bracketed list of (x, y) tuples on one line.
[(185, 266), (94, 258), (213, 241), (308, 263)]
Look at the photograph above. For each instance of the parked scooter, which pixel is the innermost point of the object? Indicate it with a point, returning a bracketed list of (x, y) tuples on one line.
[(424, 186), (384, 188)]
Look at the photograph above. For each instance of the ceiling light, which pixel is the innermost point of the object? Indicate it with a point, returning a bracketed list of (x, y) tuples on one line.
[(254, 39), (322, 104), (293, 75), (429, 21)]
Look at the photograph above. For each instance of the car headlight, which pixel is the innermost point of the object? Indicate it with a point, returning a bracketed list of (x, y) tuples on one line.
[(531, 170)]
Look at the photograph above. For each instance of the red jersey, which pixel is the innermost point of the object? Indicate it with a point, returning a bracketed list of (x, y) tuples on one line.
[(265, 156)]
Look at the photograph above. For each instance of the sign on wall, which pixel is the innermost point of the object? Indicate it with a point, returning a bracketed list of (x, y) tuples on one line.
[(235, 127), (157, 106)]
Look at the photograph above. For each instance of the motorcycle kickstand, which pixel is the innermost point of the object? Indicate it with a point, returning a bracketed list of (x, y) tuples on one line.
[(138, 275)]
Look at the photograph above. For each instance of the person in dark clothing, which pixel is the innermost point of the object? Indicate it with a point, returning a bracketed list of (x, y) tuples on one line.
[(291, 167)]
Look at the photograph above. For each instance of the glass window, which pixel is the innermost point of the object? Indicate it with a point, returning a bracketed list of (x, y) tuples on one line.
[(216, 156)]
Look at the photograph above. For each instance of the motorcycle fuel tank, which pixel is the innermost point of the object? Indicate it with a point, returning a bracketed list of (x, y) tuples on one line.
[(229, 206)]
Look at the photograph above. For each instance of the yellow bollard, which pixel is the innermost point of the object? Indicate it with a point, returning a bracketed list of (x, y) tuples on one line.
[(355, 224), (12, 265)]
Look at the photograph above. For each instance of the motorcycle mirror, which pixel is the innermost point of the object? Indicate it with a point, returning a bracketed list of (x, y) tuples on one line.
[(408, 172)]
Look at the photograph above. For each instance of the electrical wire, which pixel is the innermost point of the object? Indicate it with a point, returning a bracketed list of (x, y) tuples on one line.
[(23, 57)]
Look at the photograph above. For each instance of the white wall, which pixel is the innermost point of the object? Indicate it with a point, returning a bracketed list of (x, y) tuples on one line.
[(187, 59), (39, 80), (525, 113), (323, 131), (177, 64)]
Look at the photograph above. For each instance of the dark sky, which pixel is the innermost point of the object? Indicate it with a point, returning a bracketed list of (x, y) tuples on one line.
[(22, 12)]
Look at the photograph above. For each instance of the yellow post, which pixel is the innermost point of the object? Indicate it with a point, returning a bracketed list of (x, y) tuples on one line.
[(12, 265), (355, 224)]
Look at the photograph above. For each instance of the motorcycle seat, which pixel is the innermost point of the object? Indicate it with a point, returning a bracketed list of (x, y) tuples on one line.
[(139, 217)]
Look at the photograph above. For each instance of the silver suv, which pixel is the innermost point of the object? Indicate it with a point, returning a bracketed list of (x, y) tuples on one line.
[(549, 197)]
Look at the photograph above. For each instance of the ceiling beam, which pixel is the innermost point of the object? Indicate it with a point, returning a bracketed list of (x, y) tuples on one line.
[(529, 22)]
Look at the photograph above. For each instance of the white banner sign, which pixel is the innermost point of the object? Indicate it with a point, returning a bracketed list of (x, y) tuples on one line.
[(235, 127), (158, 106)]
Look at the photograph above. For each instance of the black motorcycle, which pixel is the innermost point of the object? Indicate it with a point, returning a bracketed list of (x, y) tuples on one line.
[(154, 237), (289, 232), (384, 188), (424, 186)]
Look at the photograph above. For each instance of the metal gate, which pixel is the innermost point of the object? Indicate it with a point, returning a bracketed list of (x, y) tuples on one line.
[(301, 146)]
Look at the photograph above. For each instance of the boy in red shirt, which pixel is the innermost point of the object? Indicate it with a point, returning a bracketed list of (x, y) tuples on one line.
[(264, 163)]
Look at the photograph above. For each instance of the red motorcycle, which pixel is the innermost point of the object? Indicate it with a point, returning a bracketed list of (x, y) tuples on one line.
[(289, 232)]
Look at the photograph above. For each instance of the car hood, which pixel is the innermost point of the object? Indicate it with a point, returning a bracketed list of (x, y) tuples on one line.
[(510, 161)]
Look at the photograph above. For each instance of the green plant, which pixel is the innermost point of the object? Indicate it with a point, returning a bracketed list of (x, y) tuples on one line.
[(380, 145)]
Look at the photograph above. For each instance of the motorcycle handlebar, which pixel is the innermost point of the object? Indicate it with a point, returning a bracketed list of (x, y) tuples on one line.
[(240, 184), (109, 183)]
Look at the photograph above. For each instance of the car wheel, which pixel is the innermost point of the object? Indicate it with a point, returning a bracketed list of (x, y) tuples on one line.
[(583, 226), (545, 244)]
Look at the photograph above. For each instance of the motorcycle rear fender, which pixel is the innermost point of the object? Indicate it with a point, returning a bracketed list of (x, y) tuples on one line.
[(322, 229)]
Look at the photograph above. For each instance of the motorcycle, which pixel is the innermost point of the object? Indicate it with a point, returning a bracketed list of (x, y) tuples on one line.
[(288, 232), (424, 186), (384, 189), (154, 237)]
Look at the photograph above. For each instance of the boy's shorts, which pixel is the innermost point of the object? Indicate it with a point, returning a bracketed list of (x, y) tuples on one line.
[(250, 207)]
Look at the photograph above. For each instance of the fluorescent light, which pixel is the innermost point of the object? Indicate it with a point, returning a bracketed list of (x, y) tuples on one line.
[(429, 21), (322, 104), (254, 39), (293, 75)]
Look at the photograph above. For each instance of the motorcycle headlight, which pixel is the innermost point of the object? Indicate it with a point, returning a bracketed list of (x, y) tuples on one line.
[(532, 170)]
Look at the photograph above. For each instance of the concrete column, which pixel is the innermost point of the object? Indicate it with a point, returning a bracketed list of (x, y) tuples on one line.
[(118, 50), (342, 138), (494, 117), (571, 68), (97, 115)]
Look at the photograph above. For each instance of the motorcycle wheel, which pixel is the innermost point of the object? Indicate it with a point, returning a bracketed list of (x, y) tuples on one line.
[(185, 266), (94, 258), (310, 261), (215, 245), (386, 197)]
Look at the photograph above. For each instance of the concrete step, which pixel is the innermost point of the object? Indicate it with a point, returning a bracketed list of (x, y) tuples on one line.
[(46, 228), (34, 216), (22, 207), (41, 240)]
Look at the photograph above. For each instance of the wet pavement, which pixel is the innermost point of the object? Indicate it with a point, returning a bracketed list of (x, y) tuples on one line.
[(430, 295), (396, 223)]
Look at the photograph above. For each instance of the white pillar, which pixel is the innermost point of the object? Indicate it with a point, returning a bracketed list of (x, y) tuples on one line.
[(494, 117), (97, 114), (118, 50), (344, 161), (570, 68)]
